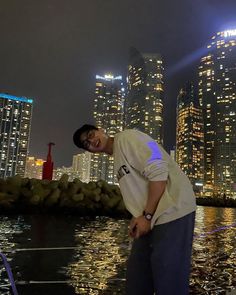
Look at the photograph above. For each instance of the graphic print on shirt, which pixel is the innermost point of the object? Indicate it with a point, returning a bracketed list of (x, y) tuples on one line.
[(123, 170)]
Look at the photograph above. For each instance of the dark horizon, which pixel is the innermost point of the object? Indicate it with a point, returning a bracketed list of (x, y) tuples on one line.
[(52, 51)]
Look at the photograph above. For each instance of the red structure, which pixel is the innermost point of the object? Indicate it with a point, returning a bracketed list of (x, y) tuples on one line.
[(48, 165)]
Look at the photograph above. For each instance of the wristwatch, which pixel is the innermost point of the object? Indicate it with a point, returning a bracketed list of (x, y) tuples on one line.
[(147, 215)]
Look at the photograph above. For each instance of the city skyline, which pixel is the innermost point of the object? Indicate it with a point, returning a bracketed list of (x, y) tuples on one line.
[(53, 51)]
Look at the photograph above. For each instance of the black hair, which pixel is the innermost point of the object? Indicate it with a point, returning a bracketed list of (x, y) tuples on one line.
[(76, 137)]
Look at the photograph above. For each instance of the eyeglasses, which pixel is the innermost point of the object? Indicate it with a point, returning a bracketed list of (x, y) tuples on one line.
[(86, 142)]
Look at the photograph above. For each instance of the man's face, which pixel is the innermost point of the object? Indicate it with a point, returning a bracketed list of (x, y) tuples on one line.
[(94, 141)]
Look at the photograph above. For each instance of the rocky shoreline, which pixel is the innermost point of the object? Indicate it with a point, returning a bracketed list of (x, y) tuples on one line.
[(24, 195)]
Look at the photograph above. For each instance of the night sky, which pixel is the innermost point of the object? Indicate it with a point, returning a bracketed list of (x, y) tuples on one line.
[(51, 51)]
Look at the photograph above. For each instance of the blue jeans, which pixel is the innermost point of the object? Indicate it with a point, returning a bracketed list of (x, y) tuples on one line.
[(160, 261)]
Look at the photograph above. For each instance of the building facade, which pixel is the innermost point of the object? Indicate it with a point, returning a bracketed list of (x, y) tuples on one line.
[(34, 167), (82, 164), (217, 94), (144, 103), (60, 171), (190, 137), (109, 115), (15, 125)]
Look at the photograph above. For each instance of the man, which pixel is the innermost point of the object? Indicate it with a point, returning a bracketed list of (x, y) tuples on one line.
[(161, 200)]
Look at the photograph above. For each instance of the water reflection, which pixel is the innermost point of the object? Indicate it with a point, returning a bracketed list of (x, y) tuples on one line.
[(88, 256), (99, 262), (214, 263), (9, 227)]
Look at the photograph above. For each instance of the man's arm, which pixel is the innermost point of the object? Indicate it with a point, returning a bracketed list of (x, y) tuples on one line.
[(140, 225), (155, 192)]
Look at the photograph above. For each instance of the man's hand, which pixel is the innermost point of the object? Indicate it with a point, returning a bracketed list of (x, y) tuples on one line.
[(139, 226)]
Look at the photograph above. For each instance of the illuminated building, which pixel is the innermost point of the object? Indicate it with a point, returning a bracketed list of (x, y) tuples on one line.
[(15, 124), (217, 94), (58, 172), (33, 168), (190, 137), (144, 103), (172, 154), (108, 114), (81, 164)]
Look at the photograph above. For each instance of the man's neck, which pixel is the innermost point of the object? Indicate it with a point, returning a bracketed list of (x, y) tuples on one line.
[(109, 147)]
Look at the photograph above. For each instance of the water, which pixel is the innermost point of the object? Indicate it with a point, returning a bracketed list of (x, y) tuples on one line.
[(72, 255)]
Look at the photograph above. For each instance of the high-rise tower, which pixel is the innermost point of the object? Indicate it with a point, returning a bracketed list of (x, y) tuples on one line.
[(144, 104), (109, 115), (217, 94), (81, 164), (15, 124), (190, 137)]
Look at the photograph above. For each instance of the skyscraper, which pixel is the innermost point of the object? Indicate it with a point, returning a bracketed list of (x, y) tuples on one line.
[(144, 104), (190, 137), (81, 164), (217, 94), (109, 115), (15, 124)]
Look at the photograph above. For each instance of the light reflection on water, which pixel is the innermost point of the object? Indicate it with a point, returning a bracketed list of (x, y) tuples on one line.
[(97, 263), (214, 253)]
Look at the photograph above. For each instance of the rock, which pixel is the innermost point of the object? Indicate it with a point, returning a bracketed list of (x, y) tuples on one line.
[(77, 180), (90, 185), (121, 206), (6, 204), (104, 200), (63, 182), (53, 184), (40, 191), (26, 193), (35, 200), (53, 198), (113, 202), (94, 195), (46, 182), (14, 181), (78, 197), (73, 188)]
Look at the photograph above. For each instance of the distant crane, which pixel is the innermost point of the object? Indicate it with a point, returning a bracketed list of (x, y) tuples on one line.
[(48, 165)]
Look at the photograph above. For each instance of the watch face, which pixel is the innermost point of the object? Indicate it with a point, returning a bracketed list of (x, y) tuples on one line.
[(148, 216)]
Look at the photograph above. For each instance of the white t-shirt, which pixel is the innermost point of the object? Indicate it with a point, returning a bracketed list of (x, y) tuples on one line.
[(138, 159)]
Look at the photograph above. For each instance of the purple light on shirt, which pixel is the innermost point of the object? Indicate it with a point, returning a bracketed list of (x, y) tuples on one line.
[(156, 153)]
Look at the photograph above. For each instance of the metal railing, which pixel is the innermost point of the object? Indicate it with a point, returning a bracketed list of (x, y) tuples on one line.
[(9, 273)]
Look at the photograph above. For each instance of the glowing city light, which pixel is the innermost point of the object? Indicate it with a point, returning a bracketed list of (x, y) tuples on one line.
[(199, 184), (108, 77), (12, 97), (229, 33), (39, 162)]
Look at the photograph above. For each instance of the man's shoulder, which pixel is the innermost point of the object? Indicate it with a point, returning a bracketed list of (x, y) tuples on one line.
[(126, 138), (127, 133)]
